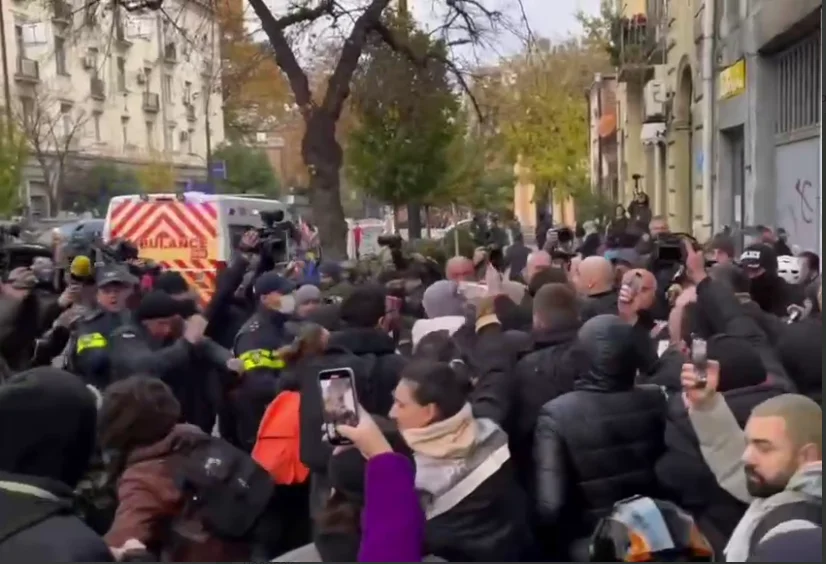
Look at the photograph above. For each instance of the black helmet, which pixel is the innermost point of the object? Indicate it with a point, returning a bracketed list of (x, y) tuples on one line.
[(641, 529)]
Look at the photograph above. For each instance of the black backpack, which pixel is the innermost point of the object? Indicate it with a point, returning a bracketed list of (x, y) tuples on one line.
[(810, 510), (225, 489)]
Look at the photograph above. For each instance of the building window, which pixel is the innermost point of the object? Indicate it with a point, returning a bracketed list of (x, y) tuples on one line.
[(150, 135), (167, 88), (189, 145), (121, 62), (27, 108), (96, 117), (124, 125), (60, 55), (169, 138), (187, 92), (66, 118), (147, 79), (21, 43)]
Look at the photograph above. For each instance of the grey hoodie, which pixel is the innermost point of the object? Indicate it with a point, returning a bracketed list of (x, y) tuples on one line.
[(722, 443)]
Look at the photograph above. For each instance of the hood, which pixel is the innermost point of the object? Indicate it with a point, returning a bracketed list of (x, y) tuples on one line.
[(808, 480), (53, 415), (607, 346), (363, 341)]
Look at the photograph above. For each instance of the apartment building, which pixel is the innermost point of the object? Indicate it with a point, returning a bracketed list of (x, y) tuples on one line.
[(768, 117), (91, 82)]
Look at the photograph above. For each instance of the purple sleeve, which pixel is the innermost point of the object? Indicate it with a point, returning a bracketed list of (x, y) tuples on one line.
[(392, 522)]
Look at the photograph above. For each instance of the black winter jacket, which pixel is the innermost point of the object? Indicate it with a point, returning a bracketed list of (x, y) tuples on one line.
[(598, 444), (545, 373), (801, 351)]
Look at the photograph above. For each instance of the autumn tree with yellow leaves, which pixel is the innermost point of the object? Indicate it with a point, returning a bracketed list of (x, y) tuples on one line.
[(254, 91), (542, 114)]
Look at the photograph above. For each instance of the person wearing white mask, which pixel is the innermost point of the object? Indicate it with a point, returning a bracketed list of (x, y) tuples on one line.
[(255, 348)]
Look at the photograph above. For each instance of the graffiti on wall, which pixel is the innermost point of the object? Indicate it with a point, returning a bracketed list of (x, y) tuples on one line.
[(797, 203)]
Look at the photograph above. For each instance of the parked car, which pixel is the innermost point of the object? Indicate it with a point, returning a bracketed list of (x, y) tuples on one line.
[(81, 228)]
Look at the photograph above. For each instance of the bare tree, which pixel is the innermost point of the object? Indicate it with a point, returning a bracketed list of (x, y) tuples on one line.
[(466, 22), (54, 130)]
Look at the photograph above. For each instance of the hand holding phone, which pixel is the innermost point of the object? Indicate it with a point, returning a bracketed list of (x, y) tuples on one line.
[(339, 402), (699, 358)]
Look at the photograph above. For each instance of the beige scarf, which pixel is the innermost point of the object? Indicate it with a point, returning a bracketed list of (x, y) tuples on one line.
[(453, 437)]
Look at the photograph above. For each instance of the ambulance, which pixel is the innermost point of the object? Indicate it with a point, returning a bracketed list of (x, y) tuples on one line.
[(192, 233)]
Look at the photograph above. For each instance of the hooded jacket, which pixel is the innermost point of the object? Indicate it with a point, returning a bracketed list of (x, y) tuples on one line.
[(53, 415), (721, 441), (598, 444)]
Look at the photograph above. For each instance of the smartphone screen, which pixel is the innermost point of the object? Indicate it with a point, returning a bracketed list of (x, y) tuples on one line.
[(699, 358), (338, 400), (392, 304)]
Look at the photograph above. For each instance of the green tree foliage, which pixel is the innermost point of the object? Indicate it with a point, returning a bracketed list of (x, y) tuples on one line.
[(543, 114), (13, 155), (406, 114), (90, 189), (249, 171)]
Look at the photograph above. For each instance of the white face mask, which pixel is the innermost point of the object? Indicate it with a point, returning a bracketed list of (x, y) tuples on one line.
[(287, 305)]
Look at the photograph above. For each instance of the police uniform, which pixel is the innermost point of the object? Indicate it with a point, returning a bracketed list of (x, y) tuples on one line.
[(256, 346), (89, 345)]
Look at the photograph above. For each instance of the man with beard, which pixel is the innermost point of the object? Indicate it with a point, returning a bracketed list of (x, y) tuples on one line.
[(780, 473), (767, 288)]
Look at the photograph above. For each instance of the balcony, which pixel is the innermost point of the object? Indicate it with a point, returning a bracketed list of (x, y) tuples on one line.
[(190, 111), (61, 12), (28, 70), (151, 102), (97, 89), (170, 53), (639, 41)]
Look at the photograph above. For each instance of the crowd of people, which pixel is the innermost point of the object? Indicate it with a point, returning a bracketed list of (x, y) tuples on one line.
[(628, 395)]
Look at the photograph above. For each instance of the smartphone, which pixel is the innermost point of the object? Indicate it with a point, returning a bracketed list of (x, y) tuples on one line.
[(699, 358), (338, 402), (392, 304)]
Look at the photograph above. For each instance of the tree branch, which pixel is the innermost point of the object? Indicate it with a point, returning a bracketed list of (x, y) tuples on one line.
[(338, 86), (284, 56), (305, 14), (394, 43)]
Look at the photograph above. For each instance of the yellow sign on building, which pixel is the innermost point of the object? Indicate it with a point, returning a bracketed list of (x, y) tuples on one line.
[(732, 80)]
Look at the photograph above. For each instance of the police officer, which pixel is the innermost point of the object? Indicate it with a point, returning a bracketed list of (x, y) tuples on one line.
[(88, 354), (256, 348)]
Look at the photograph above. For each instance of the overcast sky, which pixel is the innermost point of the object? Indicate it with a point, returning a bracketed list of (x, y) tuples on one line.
[(553, 19)]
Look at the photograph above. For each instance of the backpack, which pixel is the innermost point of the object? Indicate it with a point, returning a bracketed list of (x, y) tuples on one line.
[(224, 488), (277, 448), (810, 510)]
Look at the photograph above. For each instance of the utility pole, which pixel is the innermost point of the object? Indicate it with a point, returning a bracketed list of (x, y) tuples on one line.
[(6, 82)]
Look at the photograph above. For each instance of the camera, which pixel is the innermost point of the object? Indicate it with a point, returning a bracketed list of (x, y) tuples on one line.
[(274, 237), (390, 241)]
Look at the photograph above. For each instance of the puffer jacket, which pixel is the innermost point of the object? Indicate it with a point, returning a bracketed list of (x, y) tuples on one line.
[(684, 475), (597, 444)]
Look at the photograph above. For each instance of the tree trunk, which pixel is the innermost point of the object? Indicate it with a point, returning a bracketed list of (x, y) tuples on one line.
[(323, 156), (414, 221)]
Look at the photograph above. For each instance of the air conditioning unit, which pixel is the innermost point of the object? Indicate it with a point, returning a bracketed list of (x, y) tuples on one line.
[(141, 77), (88, 62), (655, 98)]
